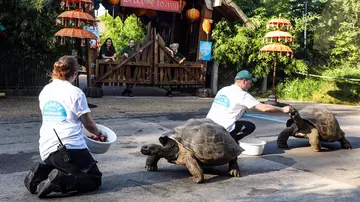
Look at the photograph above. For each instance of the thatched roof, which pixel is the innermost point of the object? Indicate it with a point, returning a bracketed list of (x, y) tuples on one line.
[(230, 11)]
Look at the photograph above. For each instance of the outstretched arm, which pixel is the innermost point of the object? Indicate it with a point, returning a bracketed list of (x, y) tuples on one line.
[(271, 108)]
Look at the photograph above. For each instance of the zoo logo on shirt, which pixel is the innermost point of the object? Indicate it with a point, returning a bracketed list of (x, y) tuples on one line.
[(54, 112), (222, 100)]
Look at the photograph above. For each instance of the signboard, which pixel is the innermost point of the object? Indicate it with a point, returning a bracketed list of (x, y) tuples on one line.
[(93, 42), (205, 50), (161, 5)]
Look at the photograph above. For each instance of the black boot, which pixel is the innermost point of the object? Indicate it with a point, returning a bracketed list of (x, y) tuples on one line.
[(38, 173), (169, 93), (57, 181), (125, 92), (130, 93)]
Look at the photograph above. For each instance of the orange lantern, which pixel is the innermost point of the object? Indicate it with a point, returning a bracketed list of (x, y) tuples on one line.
[(183, 4), (114, 3), (192, 14), (206, 25)]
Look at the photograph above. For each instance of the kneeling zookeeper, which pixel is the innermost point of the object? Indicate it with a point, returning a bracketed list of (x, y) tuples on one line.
[(67, 164)]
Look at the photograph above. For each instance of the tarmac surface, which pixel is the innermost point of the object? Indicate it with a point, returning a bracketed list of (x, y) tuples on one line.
[(297, 174)]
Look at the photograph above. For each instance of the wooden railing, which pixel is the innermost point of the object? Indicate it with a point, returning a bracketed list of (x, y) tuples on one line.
[(146, 68)]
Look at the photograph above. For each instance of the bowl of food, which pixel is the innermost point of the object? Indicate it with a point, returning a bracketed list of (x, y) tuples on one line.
[(253, 147), (102, 145)]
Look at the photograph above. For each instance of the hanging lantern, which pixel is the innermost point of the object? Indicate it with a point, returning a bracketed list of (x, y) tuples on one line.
[(183, 4), (206, 25), (192, 14), (114, 3)]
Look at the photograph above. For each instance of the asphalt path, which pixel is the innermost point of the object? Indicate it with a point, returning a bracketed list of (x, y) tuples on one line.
[(297, 174)]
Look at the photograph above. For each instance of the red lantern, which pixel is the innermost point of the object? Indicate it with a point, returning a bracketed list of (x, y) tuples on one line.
[(192, 14), (114, 3)]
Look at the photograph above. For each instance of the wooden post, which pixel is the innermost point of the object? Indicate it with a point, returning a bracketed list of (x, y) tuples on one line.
[(205, 13), (156, 57), (214, 77)]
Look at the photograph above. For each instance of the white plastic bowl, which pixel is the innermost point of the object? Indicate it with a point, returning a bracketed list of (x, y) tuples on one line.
[(252, 147), (98, 147)]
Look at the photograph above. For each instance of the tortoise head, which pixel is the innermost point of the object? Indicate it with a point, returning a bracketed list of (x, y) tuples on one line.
[(168, 150), (294, 113)]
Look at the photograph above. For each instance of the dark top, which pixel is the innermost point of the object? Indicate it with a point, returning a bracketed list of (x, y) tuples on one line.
[(106, 52), (129, 51), (178, 55)]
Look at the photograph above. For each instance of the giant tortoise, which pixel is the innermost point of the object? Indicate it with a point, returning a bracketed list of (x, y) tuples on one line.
[(315, 123), (197, 142)]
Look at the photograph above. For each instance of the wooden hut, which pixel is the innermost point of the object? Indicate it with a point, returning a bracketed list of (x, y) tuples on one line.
[(167, 21)]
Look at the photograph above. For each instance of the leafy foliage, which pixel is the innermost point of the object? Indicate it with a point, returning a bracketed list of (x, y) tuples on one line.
[(337, 34), (28, 30), (238, 46), (121, 32)]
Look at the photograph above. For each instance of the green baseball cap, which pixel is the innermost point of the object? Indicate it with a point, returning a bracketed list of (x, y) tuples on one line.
[(244, 74)]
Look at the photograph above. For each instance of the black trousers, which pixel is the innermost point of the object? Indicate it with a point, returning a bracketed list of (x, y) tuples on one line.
[(82, 166), (242, 129)]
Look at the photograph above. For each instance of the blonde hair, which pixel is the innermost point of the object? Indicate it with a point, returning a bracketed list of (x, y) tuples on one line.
[(174, 45), (65, 67)]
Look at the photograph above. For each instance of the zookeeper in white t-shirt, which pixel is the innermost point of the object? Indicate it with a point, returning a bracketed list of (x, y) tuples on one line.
[(64, 108), (231, 102)]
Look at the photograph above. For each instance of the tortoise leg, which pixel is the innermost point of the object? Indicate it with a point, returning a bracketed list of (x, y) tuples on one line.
[(314, 140), (345, 144), (194, 168), (284, 136), (151, 163), (234, 169)]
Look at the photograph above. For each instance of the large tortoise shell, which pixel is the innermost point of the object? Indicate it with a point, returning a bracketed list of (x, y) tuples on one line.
[(209, 142), (325, 122)]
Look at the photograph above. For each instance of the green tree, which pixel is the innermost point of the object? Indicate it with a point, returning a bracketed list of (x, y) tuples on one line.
[(238, 47), (29, 30), (121, 32), (338, 33)]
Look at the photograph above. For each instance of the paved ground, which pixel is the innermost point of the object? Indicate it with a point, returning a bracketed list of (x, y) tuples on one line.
[(298, 174)]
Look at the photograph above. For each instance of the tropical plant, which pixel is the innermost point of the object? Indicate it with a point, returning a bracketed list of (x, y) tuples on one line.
[(121, 32)]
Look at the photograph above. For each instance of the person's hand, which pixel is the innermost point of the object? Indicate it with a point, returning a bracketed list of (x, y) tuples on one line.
[(103, 136), (126, 55), (287, 109), (113, 58), (107, 60), (140, 51)]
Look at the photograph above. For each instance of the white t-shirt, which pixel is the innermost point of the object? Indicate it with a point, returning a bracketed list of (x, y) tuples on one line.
[(61, 106), (229, 105)]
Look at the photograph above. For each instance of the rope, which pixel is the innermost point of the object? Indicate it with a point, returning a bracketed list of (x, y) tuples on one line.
[(328, 77)]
